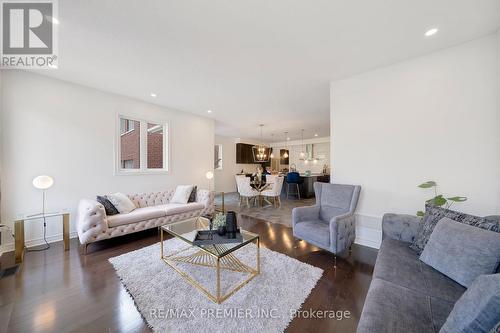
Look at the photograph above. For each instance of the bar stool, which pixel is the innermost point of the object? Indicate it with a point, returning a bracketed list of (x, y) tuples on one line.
[(293, 178)]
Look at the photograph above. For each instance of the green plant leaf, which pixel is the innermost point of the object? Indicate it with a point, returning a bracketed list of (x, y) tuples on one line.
[(457, 199), (420, 213), (428, 184), (437, 200)]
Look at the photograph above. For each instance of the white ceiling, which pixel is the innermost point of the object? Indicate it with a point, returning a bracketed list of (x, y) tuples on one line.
[(255, 61)]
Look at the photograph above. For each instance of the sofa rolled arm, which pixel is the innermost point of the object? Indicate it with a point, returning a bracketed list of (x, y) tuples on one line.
[(307, 213), (91, 221), (207, 198), (342, 232), (401, 227)]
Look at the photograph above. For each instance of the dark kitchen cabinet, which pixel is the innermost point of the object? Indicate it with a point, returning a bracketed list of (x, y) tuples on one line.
[(244, 154)]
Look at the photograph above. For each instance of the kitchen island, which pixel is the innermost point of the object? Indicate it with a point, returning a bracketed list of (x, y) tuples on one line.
[(306, 187)]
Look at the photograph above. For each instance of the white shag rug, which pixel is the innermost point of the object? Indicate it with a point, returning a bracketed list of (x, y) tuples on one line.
[(170, 304)]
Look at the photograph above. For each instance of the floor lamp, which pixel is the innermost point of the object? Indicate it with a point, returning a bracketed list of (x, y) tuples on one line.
[(209, 176), (43, 183)]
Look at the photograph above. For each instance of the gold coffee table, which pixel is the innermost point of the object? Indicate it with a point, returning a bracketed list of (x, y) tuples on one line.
[(218, 256)]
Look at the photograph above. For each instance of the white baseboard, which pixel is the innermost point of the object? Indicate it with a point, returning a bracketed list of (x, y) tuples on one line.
[(368, 230), (8, 247), (368, 237)]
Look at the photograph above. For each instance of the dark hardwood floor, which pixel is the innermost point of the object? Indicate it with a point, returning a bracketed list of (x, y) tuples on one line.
[(56, 291)]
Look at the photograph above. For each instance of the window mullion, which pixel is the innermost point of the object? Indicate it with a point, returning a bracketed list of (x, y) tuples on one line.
[(143, 139)]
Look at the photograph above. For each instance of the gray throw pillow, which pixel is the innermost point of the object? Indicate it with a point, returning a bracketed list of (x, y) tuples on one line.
[(462, 252), (434, 214), (478, 309), (108, 206), (192, 197)]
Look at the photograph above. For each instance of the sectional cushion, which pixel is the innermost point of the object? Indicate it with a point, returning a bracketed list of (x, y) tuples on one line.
[(175, 208), (399, 264), (137, 215), (434, 214), (391, 308), (478, 310), (462, 252)]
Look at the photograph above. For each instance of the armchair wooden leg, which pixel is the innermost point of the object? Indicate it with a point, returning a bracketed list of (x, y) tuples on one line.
[(296, 243)]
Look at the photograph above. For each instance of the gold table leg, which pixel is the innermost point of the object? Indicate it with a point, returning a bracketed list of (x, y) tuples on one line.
[(224, 262), (161, 242), (218, 280), (19, 240), (66, 231)]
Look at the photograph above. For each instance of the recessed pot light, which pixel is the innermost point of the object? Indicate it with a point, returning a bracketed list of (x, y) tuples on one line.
[(209, 111), (316, 134), (153, 95), (431, 32), (288, 139)]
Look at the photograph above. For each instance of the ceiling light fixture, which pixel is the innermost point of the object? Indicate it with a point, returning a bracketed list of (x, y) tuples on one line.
[(316, 134), (209, 111), (153, 95), (259, 151), (431, 32)]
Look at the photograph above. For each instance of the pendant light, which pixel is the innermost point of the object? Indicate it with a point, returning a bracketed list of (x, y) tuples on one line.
[(302, 154), (272, 149), (261, 149), (285, 155)]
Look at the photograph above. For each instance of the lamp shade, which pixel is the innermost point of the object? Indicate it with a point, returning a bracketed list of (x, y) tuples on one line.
[(209, 175), (43, 182)]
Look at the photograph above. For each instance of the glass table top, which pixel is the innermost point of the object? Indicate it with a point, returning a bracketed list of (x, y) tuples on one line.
[(187, 230), (27, 217)]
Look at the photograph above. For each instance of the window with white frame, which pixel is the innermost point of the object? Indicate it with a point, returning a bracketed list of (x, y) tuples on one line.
[(218, 157), (141, 146)]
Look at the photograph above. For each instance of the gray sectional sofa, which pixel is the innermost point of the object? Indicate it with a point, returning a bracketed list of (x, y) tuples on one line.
[(405, 294)]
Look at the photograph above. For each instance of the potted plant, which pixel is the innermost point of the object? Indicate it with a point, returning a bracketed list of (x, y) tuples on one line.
[(439, 199), (219, 223)]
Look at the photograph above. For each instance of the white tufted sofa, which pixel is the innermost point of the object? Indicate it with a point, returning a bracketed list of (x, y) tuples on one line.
[(153, 210)]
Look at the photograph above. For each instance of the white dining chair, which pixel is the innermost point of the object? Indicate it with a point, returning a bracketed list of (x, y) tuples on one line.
[(274, 192), (246, 192), (270, 179)]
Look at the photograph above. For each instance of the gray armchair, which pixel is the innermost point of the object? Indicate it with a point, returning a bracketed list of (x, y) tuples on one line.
[(330, 223)]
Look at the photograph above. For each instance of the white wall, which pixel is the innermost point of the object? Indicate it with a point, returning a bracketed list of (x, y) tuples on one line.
[(67, 131), (224, 179), (430, 118), (498, 103)]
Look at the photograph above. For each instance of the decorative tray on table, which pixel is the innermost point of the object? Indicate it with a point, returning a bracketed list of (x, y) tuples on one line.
[(211, 237)]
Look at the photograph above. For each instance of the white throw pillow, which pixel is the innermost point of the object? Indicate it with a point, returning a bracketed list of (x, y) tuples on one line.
[(182, 193), (122, 203)]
